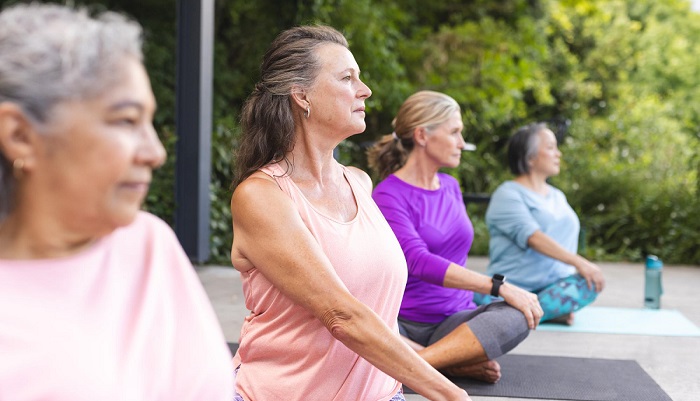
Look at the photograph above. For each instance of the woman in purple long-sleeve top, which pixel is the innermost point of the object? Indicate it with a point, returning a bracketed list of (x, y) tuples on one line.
[(427, 214)]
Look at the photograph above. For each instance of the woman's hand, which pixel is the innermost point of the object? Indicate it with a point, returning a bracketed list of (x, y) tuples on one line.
[(545, 245), (591, 272), (465, 397), (524, 301)]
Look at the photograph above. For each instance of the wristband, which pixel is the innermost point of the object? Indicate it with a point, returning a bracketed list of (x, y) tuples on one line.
[(497, 280)]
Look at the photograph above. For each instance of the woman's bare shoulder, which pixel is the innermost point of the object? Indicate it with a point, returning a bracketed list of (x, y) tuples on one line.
[(362, 176), (253, 186)]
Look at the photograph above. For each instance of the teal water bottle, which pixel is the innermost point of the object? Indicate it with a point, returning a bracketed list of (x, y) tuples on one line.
[(652, 282)]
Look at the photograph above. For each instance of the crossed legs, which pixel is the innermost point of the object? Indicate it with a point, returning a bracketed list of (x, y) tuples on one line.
[(466, 343), (460, 354)]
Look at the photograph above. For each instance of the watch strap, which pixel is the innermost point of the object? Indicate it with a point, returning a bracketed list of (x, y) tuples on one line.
[(497, 281)]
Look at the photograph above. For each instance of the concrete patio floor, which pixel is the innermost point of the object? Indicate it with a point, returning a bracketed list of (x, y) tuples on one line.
[(673, 362)]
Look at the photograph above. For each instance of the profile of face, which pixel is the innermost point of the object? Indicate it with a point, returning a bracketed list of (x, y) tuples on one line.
[(93, 158), (337, 97), (546, 160), (444, 143)]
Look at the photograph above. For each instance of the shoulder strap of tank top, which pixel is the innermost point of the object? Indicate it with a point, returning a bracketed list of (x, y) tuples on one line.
[(279, 174), (355, 181)]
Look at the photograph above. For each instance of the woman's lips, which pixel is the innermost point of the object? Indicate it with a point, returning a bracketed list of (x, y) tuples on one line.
[(141, 187)]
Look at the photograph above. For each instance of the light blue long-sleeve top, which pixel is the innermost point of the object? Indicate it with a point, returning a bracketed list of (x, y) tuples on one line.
[(513, 215)]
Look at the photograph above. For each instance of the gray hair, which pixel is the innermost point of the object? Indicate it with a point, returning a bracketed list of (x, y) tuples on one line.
[(53, 53), (523, 147)]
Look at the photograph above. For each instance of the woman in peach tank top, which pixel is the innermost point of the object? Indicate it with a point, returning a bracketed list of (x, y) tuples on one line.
[(323, 274)]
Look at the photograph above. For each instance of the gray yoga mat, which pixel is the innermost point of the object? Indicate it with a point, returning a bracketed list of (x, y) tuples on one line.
[(565, 378)]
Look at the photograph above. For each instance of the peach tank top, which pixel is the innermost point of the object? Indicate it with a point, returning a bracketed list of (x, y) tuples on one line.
[(285, 352)]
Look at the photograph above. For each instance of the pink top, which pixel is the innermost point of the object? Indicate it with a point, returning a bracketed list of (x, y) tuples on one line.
[(126, 319), (285, 352)]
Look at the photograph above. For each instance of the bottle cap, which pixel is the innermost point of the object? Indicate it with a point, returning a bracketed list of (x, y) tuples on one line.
[(653, 262)]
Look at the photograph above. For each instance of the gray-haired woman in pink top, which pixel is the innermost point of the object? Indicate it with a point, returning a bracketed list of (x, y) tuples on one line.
[(98, 301)]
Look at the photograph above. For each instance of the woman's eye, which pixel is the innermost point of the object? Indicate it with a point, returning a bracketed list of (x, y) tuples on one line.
[(126, 121)]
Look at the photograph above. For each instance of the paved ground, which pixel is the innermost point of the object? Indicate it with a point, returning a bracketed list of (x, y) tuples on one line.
[(674, 362)]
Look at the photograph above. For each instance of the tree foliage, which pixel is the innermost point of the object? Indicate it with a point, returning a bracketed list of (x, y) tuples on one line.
[(615, 79)]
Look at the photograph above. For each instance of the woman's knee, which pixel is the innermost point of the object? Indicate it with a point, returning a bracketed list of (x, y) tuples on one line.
[(566, 295), (512, 319), (517, 323), (502, 329)]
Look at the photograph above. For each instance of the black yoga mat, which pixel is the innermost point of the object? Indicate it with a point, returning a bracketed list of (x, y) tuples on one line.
[(565, 378)]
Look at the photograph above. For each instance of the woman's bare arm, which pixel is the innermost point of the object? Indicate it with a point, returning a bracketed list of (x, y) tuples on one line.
[(545, 245), (270, 235), (524, 301)]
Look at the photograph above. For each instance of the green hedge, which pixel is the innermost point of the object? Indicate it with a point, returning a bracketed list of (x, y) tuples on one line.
[(614, 79), (617, 80)]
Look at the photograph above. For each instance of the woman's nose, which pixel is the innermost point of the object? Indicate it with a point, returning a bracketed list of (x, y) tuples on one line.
[(365, 91), (152, 151)]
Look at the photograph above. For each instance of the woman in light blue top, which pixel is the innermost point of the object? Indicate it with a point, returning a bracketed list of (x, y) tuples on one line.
[(534, 232)]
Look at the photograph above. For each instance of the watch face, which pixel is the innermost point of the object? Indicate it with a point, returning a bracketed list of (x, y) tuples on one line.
[(499, 277)]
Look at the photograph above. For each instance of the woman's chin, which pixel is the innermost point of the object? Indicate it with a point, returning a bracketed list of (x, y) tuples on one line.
[(124, 216), (453, 164)]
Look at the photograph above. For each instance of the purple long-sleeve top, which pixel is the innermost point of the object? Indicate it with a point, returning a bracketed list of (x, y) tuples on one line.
[(434, 230)]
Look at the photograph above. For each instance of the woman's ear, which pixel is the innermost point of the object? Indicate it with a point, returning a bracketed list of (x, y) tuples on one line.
[(420, 136), (299, 97), (15, 133)]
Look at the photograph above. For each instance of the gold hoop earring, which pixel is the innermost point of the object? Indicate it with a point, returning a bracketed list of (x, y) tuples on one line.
[(307, 113), (18, 168)]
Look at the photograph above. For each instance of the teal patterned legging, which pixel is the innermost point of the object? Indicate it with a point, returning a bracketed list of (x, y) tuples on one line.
[(557, 299), (565, 296)]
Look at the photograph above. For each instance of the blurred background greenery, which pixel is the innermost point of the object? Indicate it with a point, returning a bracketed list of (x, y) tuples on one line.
[(616, 80)]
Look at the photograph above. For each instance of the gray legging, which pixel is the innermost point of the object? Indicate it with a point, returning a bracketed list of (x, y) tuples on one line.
[(498, 326)]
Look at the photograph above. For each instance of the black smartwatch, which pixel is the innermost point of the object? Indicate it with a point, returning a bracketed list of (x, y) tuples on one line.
[(497, 280)]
